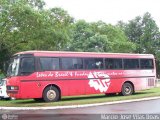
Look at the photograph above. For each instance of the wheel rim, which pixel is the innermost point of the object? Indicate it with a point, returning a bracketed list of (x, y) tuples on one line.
[(51, 94), (127, 90)]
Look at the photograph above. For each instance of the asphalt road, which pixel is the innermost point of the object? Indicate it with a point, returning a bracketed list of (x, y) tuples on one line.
[(104, 112)]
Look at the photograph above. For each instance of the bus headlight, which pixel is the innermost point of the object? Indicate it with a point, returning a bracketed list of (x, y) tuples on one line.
[(14, 87)]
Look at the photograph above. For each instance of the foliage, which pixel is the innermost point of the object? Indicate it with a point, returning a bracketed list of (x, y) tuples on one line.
[(144, 32), (99, 37)]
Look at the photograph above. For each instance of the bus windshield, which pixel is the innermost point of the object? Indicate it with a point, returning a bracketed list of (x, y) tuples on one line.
[(13, 67)]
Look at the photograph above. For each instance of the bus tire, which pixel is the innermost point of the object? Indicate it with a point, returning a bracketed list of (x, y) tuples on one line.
[(51, 94), (127, 89)]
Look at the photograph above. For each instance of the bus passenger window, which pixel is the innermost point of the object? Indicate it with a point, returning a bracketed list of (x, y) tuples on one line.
[(49, 64), (72, 63), (93, 63), (131, 63), (27, 65), (146, 63), (113, 63)]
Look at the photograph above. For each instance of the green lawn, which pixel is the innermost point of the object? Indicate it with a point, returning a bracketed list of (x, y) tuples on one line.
[(77, 100)]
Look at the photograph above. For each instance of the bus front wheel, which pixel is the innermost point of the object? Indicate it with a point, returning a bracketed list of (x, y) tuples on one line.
[(51, 94), (127, 89)]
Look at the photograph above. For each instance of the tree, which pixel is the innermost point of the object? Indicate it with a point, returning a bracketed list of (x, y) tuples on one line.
[(39, 4), (81, 31), (144, 32), (99, 37), (151, 35), (117, 38)]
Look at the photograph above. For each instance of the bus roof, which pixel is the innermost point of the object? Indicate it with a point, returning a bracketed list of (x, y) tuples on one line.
[(84, 54)]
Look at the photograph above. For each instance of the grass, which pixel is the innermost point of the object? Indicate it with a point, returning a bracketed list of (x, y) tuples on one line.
[(79, 100)]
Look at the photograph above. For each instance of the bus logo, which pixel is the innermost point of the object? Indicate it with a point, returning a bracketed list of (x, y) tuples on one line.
[(100, 81)]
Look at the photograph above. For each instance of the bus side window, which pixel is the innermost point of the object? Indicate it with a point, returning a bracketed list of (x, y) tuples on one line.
[(27, 65), (93, 63), (146, 63), (113, 63), (49, 64), (72, 63), (131, 64)]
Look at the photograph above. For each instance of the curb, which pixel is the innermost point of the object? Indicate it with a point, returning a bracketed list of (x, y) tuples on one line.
[(77, 106)]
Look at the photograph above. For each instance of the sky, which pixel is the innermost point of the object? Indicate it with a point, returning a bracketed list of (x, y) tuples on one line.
[(108, 11)]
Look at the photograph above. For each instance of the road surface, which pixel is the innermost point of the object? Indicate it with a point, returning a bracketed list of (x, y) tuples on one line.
[(103, 112)]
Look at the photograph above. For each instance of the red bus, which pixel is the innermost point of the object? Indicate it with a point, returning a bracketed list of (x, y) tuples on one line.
[(49, 75)]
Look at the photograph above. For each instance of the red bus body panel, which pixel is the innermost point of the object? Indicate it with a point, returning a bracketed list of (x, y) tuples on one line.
[(82, 82)]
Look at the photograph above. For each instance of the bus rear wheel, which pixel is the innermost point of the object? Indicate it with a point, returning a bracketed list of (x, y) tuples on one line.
[(127, 89), (51, 94)]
